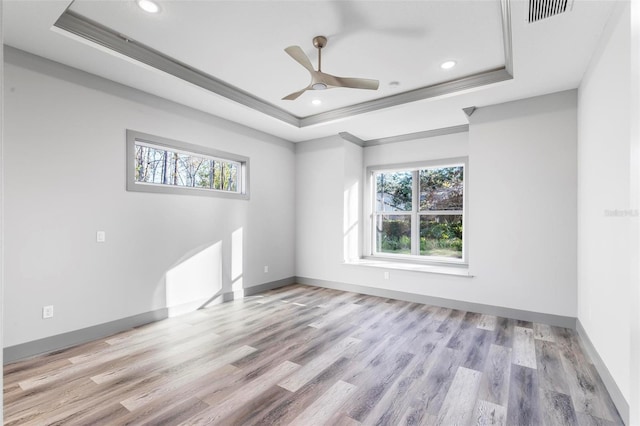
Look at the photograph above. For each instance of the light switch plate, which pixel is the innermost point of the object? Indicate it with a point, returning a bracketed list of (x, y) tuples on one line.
[(101, 236)]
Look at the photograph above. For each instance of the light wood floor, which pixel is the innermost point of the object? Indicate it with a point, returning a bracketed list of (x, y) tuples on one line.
[(310, 356)]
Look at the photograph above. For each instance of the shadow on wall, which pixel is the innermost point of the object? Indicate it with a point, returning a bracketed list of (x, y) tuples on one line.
[(196, 281)]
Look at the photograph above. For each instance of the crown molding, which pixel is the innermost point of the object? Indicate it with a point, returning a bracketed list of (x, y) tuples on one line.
[(92, 31)]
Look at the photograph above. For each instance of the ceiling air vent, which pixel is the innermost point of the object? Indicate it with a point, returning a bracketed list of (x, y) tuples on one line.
[(543, 9)]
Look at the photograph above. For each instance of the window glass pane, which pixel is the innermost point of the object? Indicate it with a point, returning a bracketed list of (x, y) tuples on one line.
[(180, 171), (441, 188), (393, 234), (193, 171), (393, 191), (441, 235), (202, 173), (233, 177), (164, 166), (152, 165)]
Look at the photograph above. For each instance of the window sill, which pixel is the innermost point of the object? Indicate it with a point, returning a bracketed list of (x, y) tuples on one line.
[(461, 271)]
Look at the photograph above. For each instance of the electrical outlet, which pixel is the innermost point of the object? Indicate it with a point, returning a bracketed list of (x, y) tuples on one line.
[(47, 312), (266, 269), (386, 275)]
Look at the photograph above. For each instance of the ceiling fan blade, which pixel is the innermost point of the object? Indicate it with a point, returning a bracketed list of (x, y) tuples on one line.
[(298, 54), (295, 95), (357, 83)]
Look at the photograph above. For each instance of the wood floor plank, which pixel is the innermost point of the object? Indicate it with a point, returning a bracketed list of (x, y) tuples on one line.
[(504, 332), (494, 386), (583, 388), (218, 413), (82, 407), (343, 420), (164, 406), (144, 333), (174, 354), (551, 372), (438, 381), (371, 391), (457, 407), (585, 419), (450, 325), (315, 367), (486, 413), (442, 314), (222, 388), (335, 315), (487, 322), (524, 401), (602, 394), (137, 401), (524, 350), (325, 407), (96, 359), (543, 332), (557, 409), (395, 400), (372, 361), (524, 324), (460, 338), (34, 405), (325, 341), (568, 344), (408, 401), (477, 351), (109, 415), (250, 412), (284, 410)]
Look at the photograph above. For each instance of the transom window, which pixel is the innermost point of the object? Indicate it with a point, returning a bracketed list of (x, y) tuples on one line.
[(418, 212), (161, 165)]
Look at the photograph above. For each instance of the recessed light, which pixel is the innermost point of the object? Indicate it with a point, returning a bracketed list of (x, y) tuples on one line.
[(448, 65), (148, 6), (316, 101)]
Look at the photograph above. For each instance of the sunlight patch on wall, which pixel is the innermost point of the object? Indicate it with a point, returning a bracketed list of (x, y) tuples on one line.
[(351, 223), (194, 280), (236, 264)]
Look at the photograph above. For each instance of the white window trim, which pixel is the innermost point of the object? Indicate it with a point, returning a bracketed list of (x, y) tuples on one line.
[(186, 148), (369, 209)]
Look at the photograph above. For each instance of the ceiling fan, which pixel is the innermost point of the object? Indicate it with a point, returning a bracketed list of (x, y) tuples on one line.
[(320, 80)]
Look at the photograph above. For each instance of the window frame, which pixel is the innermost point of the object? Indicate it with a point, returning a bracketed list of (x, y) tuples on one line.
[(146, 139), (370, 213)]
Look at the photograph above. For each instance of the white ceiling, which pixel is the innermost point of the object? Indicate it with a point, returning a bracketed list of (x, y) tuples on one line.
[(242, 43)]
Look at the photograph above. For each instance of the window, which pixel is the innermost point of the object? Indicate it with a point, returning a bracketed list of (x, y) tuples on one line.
[(418, 211), (158, 164)]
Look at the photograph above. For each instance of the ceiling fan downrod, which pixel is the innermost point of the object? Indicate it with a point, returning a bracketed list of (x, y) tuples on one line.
[(319, 42)]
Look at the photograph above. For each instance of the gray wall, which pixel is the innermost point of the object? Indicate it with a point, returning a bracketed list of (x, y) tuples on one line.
[(65, 180), (522, 203), (521, 207), (608, 244)]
